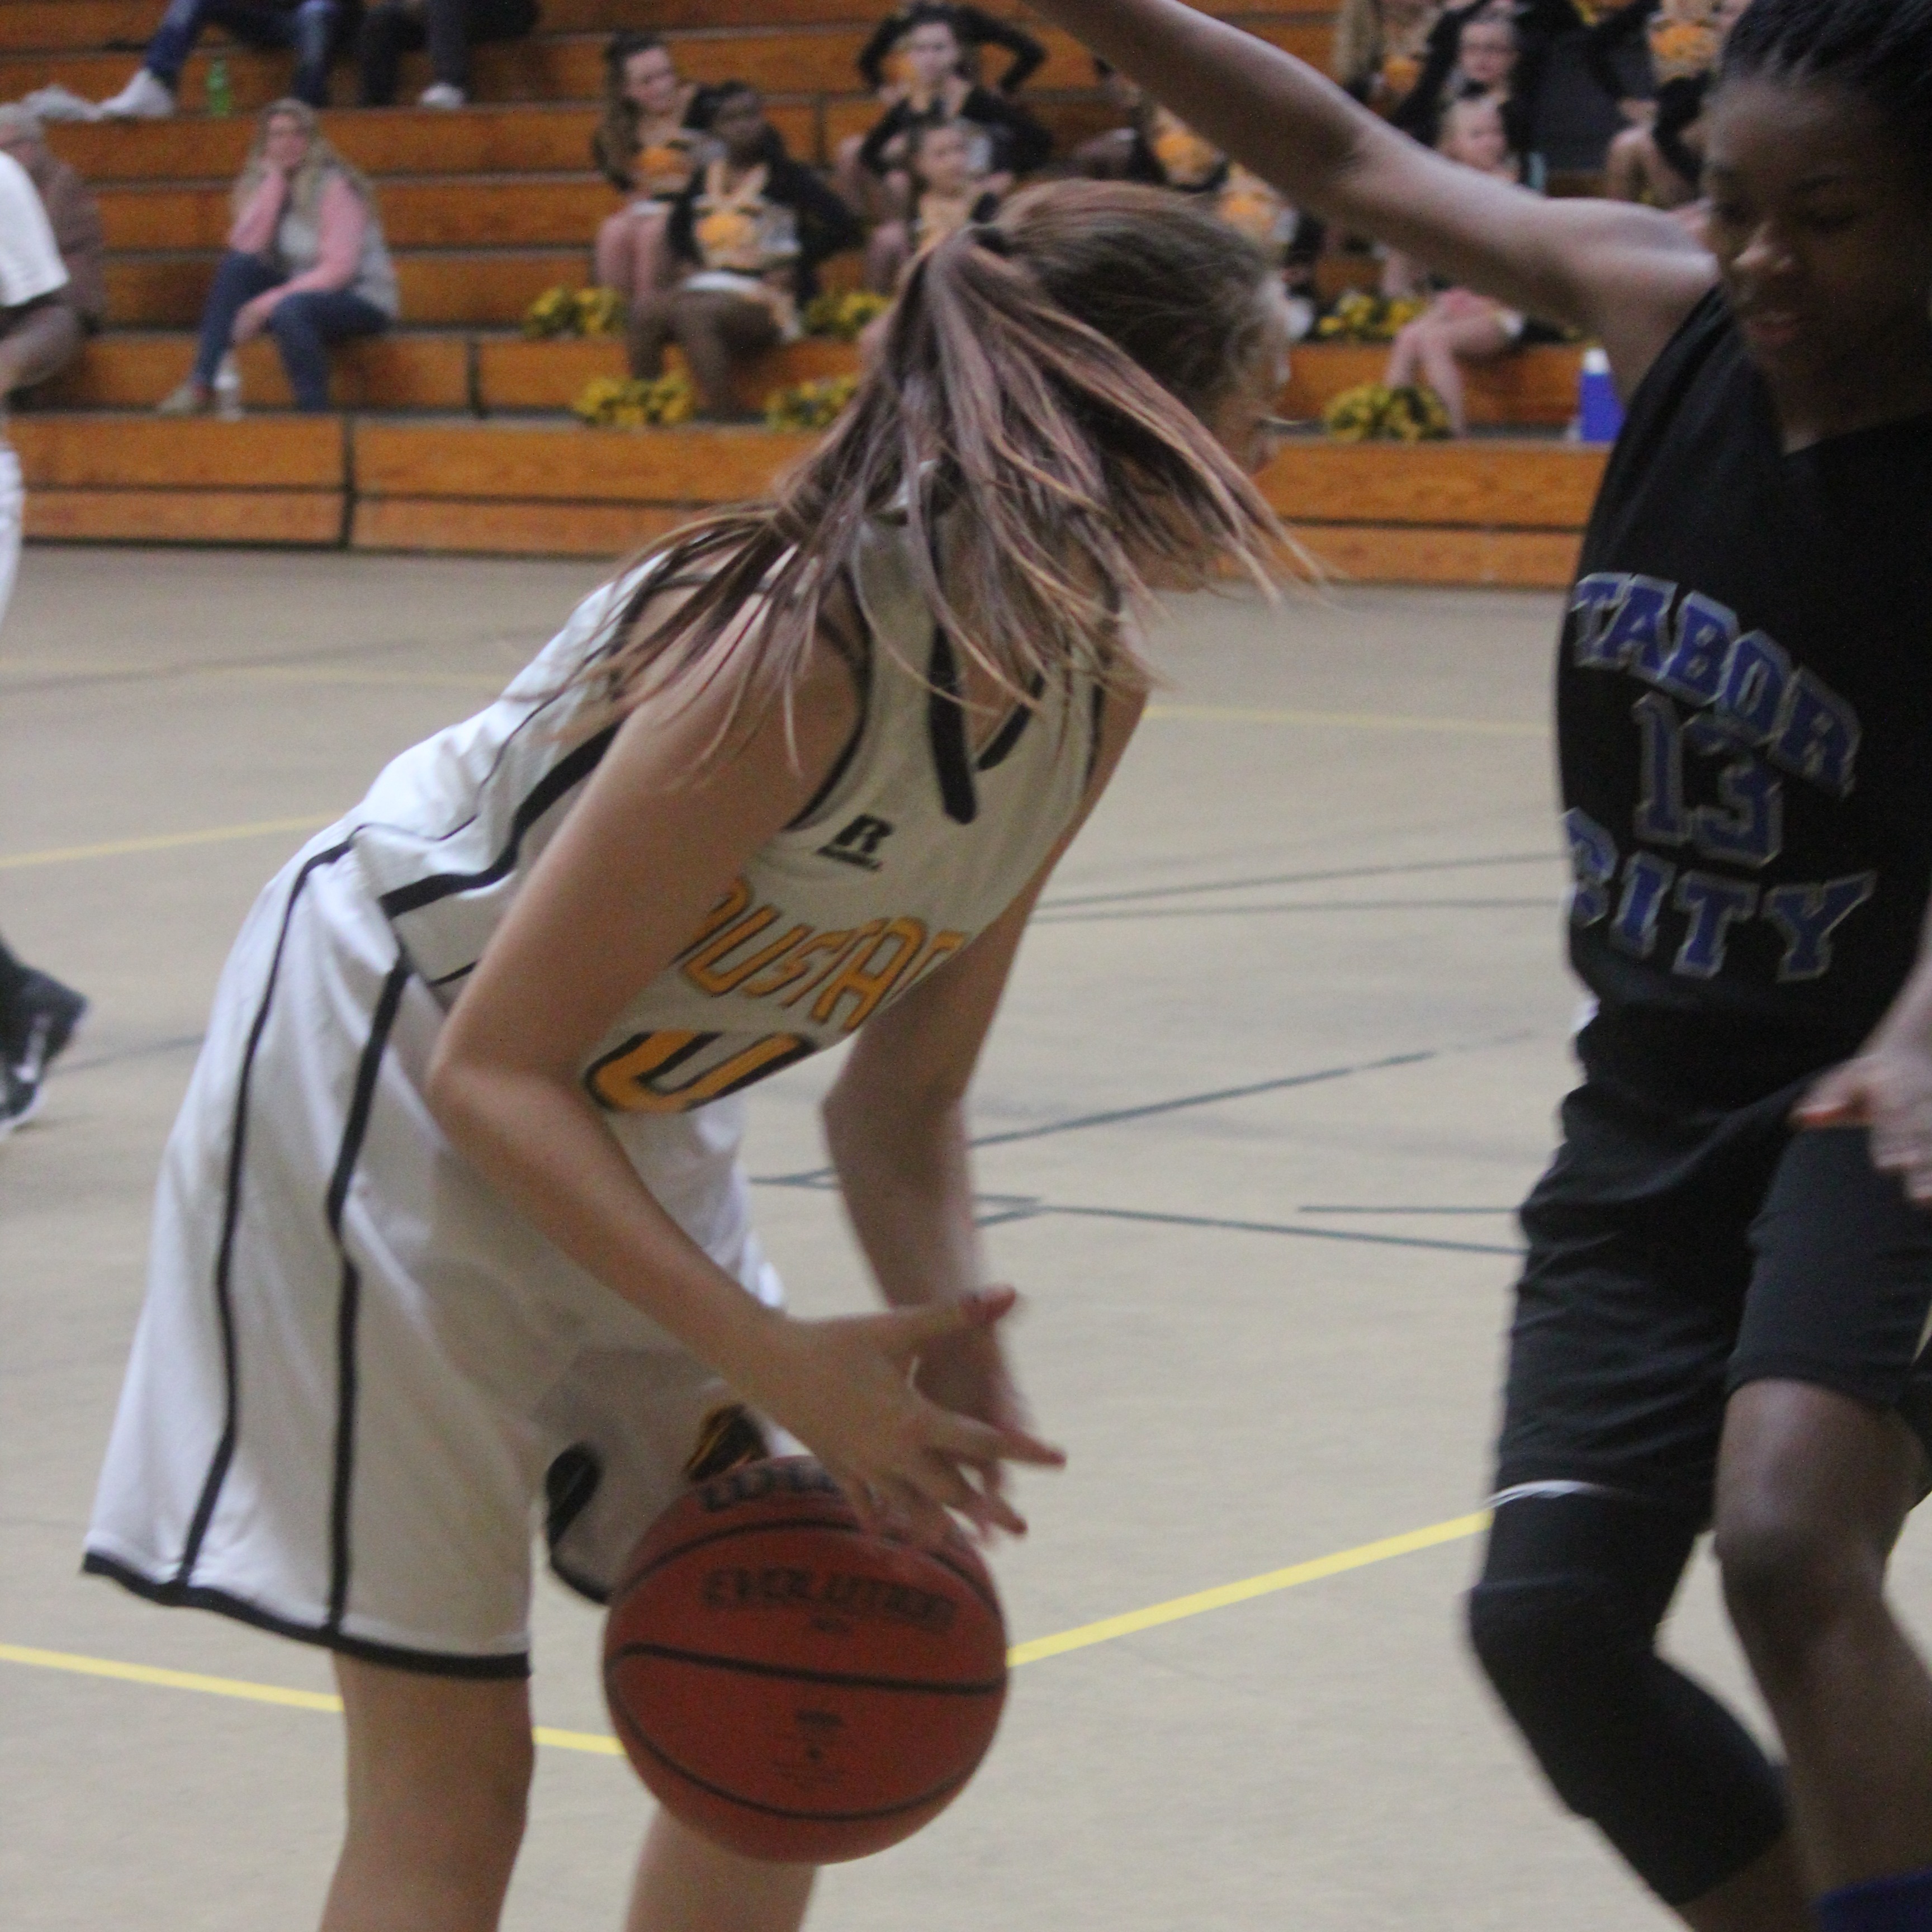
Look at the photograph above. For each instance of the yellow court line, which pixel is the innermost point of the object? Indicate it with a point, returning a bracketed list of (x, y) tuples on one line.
[(1350, 721), (1108, 1628), (161, 841), (1175, 1608)]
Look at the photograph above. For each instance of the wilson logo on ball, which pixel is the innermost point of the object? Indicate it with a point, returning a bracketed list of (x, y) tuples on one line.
[(844, 1594)]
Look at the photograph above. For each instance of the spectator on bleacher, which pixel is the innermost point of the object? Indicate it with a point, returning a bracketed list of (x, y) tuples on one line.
[(946, 194), (1659, 159), (1498, 48), (972, 27), (449, 29), (749, 233), (1460, 326), (306, 261), (1009, 142), (73, 215), (309, 26), (649, 144), (37, 1014), (1159, 148), (1379, 48)]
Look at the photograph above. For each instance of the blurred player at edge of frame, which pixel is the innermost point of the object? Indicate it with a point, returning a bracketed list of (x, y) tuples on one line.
[(1722, 1317)]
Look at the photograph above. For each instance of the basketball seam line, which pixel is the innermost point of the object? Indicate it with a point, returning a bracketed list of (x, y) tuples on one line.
[(801, 1674)]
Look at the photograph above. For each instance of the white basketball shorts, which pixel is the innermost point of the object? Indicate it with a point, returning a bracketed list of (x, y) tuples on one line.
[(356, 1367)]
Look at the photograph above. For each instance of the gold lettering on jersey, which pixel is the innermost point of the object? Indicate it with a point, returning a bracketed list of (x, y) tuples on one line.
[(868, 984), (630, 1079), (727, 909), (839, 946), (847, 975), (705, 968)]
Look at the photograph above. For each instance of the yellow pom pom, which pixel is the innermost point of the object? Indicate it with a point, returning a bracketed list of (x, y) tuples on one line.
[(810, 405), (553, 313), (599, 311), (606, 402), (843, 317), (1356, 415), (1415, 413)]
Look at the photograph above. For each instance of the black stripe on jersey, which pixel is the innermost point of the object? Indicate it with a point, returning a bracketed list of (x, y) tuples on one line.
[(1008, 735), (860, 663), (555, 784), (175, 1594), (348, 1310), (946, 725), (231, 1215), (1095, 724)]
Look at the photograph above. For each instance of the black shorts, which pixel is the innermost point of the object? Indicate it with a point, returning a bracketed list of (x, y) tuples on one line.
[(1674, 1257)]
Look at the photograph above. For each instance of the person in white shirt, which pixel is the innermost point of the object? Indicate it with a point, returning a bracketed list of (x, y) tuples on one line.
[(37, 1014)]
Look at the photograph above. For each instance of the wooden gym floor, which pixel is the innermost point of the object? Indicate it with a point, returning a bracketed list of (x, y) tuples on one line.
[(1281, 1055)]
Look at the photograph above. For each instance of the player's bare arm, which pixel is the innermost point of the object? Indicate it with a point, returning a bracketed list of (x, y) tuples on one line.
[(1628, 275), (649, 849), (1888, 1088), (896, 1126)]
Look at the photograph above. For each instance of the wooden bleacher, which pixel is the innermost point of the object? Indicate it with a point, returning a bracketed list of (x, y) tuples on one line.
[(453, 435)]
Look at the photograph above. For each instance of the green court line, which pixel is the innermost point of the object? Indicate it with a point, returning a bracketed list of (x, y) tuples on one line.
[(1079, 1638)]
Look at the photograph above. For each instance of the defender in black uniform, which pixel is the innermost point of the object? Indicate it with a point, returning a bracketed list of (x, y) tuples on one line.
[(1723, 1318)]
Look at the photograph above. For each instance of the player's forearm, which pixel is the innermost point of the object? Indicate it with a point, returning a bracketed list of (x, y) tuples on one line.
[(542, 1148), (1268, 109), (906, 1177), (1908, 1020)]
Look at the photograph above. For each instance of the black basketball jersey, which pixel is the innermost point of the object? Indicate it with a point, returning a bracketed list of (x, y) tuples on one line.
[(1744, 711)]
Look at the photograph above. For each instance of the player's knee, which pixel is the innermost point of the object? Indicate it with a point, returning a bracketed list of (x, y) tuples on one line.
[(1567, 1660), (1788, 1575)]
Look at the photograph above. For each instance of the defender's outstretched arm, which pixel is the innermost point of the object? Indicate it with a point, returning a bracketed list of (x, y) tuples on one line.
[(1627, 274)]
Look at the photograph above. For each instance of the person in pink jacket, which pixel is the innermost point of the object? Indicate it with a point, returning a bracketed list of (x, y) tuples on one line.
[(306, 261)]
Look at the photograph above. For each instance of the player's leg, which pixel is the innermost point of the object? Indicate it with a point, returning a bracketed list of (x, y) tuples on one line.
[(1812, 1491), (1626, 1321), (1819, 1469), (1565, 1622), (439, 1774), (685, 1883)]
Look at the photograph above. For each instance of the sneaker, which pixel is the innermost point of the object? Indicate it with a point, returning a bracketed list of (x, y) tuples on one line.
[(186, 399), (146, 97), (36, 1028), (441, 94), (228, 389), (19, 1100)]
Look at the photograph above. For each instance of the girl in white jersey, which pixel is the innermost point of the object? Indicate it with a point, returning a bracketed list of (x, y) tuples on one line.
[(452, 1235)]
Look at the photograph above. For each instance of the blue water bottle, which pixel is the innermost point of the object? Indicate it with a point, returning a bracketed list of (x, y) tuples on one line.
[(1600, 415)]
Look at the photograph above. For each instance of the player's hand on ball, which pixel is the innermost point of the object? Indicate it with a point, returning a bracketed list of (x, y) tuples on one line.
[(846, 1389), (967, 1373), (1887, 1089)]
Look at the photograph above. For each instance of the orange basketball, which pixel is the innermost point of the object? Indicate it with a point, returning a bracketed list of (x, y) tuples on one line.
[(793, 1688)]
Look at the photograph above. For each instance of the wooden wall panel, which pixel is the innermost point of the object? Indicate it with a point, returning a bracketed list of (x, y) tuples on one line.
[(310, 517)]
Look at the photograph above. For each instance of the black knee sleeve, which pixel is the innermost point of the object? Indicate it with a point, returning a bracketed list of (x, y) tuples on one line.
[(1564, 1621)]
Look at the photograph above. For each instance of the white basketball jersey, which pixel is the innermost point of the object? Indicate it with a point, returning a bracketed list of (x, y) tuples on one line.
[(914, 845)]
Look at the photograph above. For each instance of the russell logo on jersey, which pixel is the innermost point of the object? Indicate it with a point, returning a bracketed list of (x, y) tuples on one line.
[(858, 844)]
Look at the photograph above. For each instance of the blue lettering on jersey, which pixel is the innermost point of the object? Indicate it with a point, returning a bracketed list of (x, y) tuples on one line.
[(1757, 715), (1807, 916)]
